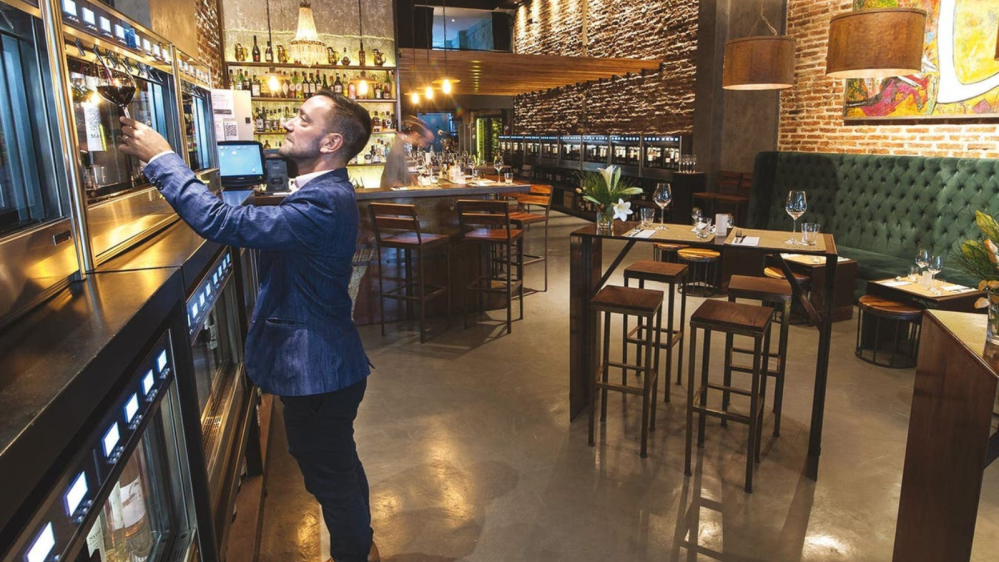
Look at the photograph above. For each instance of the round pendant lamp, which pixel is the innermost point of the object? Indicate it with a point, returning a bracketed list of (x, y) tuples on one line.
[(763, 62), (876, 43)]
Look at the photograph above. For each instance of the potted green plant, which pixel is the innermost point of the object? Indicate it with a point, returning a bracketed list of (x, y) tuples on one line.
[(608, 193), (980, 259)]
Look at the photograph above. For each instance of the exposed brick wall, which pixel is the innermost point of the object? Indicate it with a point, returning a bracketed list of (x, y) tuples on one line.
[(811, 116), (209, 42), (659, 102)]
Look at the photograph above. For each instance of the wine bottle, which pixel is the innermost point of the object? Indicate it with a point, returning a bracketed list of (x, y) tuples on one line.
[(299, 87), (259, 121), (268, 53), (326, 85), (256, 50), (338, 85), (232, 81), (310, 86), (352, 90), (388, 85), (255, 87), (376, 123)]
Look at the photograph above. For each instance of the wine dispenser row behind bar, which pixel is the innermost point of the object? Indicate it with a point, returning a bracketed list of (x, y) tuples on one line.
[(651, 155), (69, 199)]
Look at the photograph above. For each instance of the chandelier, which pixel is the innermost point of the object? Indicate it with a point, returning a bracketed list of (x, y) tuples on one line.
[(306, 46)]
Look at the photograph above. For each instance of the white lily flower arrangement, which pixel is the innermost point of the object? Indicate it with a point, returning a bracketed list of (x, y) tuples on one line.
[(980, 259), (608, 191)]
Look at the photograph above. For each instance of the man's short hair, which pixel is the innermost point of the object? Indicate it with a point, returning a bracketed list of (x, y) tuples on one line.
[(350, 120)]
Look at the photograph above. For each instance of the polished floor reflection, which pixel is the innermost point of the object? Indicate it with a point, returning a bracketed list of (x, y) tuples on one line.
[(470, 456)]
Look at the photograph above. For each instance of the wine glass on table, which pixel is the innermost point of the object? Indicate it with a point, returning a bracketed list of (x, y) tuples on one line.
[(922, 260), (115, 86), (796, 206), (662, 197), (498, 164), (934, 266)]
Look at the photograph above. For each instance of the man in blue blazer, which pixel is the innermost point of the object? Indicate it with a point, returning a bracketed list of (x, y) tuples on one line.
[(302, 343)]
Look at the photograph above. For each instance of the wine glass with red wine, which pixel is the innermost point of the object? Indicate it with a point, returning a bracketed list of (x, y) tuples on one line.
[(115, 86)]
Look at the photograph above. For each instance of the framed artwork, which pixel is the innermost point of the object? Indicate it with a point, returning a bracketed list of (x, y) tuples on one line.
[(960, 77)]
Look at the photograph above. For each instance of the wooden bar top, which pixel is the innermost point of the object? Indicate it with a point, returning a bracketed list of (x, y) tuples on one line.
[(444, 189)]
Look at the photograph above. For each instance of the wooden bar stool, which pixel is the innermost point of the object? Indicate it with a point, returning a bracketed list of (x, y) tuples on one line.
[(647, 305), (775, 293), (663, 251), (671, 274), (897, 316), (486, 224), (408, 238), (540, 195), (703, 269), (742, 320)]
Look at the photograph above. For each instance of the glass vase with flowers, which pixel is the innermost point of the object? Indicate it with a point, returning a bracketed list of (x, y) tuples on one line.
[(609, 193)]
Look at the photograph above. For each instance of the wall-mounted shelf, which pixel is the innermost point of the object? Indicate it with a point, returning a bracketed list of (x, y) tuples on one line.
[(301, 100), (248, 64)]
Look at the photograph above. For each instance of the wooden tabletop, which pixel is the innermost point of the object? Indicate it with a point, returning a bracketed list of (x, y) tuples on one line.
[(770, 240), (914, 289)]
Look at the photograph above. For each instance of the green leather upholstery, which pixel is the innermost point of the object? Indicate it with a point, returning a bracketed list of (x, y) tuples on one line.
[(881, 209)]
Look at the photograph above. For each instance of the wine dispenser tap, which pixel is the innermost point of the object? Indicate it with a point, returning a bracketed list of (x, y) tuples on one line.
[(79, 47)]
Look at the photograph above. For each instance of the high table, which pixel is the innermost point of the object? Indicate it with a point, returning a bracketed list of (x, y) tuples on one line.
[(587, 276)]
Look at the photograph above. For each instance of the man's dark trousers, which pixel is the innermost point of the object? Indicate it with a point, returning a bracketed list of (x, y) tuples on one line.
[(321, 438)]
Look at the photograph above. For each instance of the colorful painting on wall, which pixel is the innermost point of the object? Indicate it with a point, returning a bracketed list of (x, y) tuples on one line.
[(960, 77)]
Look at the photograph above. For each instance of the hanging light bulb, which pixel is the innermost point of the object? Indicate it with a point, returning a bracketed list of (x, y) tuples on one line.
[(429, 93), (414, 98), (362, 86), (446, 86)]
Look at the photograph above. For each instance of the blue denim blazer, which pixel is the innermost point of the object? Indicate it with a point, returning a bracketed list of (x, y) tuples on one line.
[(302, 339)]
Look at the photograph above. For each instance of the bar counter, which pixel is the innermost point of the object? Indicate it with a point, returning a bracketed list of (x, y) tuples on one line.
[(435, 205)]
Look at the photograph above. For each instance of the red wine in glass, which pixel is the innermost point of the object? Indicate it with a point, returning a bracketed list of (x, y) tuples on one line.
[(120, 95)]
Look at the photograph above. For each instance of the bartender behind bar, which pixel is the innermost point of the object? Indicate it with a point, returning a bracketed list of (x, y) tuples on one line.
[(302, 343), (396, 173)]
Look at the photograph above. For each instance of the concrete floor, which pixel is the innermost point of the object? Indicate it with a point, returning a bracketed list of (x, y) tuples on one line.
[(470, 456)]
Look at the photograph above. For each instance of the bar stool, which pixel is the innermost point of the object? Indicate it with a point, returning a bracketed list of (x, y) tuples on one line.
[(540, 195), (897, 315), (486, 224), (670, 274), (647, 305), (409, 239), (663, 251), (777, 294), (738, 319), (703, 269)]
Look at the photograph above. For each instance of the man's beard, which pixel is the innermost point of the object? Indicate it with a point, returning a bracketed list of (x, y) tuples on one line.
[(299, 154)]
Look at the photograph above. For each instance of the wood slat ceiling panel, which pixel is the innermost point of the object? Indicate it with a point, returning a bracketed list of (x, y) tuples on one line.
[(508, 74)]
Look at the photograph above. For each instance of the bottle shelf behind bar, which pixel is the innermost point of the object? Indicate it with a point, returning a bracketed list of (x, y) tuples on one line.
[(283, 133), (361, 100), (276, 65)]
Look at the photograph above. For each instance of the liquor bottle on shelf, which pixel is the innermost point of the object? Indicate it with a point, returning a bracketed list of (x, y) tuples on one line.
[(362, 58), (376, 123), (345, 59), (388, 122), (285, 84), (259, 121), (377, 91), (326, 85), (268, 53), (338, 85), (310, 86), (256, 50), (388, 86), (255, 87), (296, 86), (282, 54), (232, 81), (247, 85), (352, 90)]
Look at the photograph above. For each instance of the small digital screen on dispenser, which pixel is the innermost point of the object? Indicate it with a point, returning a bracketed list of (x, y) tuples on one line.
[(242, 161)]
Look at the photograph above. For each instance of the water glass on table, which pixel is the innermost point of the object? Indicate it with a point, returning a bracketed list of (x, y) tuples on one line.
[(703, 227), (508, 177), (810, 233), (648, 217), (695, 214)]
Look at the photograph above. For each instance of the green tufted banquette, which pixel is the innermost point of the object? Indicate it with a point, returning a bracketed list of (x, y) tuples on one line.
[(881, 209)]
